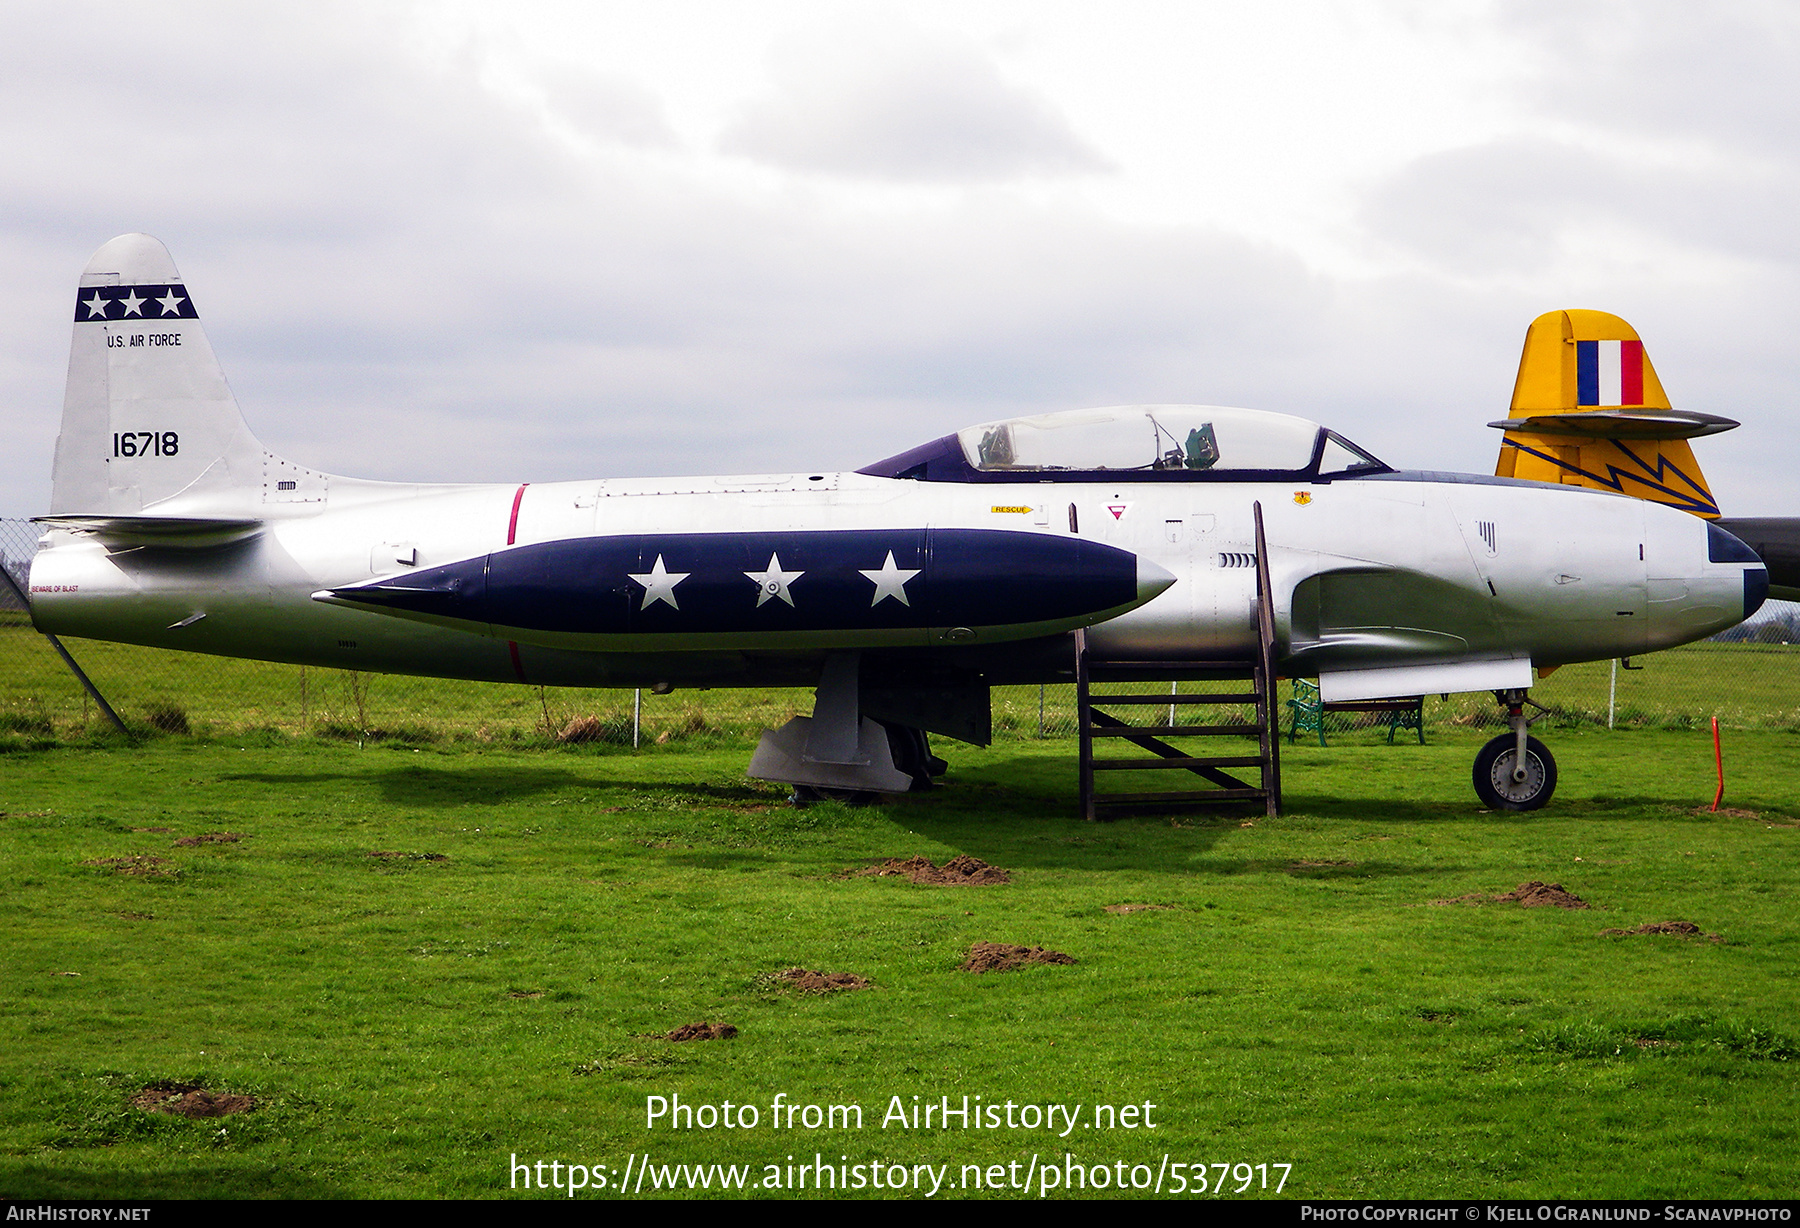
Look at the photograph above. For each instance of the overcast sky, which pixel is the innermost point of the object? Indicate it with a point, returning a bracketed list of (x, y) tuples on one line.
[(536, 241)]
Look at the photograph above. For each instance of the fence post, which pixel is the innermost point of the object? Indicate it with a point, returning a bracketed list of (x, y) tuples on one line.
[(637, 711), (80, 674), (1612, 692)]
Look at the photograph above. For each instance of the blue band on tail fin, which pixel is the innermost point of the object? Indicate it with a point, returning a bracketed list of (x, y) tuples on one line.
[(119, 303)]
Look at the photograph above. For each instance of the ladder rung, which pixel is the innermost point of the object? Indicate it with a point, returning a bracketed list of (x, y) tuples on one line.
[(1215, 697), (1208, 795), (1243, 662), (1123, 765), (1178, 731), (1100, 701)]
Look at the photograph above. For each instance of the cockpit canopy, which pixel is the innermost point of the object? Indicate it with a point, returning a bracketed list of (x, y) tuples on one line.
[(1193, 442)]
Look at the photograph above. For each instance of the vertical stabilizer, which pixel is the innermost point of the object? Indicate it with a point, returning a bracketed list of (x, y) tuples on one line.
[(1588, 410), (149, 426)]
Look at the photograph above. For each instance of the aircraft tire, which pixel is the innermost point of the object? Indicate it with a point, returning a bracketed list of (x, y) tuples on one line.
[(912, 754), (1493, 774)]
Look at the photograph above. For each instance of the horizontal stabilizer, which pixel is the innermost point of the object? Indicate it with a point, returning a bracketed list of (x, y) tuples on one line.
[(180, 532), (1622, 424)]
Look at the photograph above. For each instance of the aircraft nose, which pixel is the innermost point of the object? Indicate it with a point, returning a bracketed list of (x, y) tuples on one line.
[(1724, 547), (1152, 579), (1710, 587)]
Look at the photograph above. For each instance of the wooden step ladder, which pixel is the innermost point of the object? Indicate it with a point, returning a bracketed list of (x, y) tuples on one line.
[(1248, 681)]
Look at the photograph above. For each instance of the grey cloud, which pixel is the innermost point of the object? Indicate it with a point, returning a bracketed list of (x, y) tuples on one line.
[(912, 113), (1525, 205), (1721, 71), (609, 110), (404, 280)]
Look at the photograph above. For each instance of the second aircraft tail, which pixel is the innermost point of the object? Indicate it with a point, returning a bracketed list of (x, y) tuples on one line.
[(1588, 410)]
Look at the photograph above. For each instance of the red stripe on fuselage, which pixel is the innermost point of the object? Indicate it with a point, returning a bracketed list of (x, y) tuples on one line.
[(512, 525), (518, 665)]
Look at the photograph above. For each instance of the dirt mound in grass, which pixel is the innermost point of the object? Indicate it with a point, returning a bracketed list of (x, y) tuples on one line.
[(190, 1100), (1126, 908), (391, 855), (820, 982), (1684, 929), (1004, 957), (138, 865), (1542, 895), (211, 837), (1526, 895), (702, 1031), (960, 871)]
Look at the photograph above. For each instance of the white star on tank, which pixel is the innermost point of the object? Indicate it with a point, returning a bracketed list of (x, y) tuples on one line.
[(890, 581), (659, 584), (774, 581)]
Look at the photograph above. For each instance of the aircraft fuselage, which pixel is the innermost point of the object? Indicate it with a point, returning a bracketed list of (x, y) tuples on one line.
[(1368, 572)]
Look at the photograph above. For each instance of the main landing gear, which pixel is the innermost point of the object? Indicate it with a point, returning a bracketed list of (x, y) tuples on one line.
[(1515, 771)]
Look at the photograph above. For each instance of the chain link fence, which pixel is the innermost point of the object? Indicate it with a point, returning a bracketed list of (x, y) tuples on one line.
[(1749, 679)]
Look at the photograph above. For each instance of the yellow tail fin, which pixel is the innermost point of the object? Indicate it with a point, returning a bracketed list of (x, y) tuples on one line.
[(1588, 410)]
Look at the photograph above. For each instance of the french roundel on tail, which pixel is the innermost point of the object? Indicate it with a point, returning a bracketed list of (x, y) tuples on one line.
[(1589, 410)]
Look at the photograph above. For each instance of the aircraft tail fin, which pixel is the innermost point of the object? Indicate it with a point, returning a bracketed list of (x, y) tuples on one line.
[(149, 425), (1589, 410)]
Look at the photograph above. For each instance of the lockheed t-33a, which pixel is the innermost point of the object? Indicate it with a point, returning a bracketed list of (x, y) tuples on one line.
[(1144, 533)]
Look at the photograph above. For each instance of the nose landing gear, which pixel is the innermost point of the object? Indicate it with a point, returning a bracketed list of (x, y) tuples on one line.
[(1515, 771)]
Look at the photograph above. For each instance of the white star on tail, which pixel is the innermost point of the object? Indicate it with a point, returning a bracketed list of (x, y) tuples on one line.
[(171, 303), (773, 582), (96, 306), (659, 584), (134, 306), (890, 581)]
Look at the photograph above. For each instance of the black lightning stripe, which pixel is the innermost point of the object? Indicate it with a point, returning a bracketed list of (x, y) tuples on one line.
[(1702, 501)]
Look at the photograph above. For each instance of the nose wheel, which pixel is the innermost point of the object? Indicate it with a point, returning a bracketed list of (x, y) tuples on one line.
[(1515, 771)]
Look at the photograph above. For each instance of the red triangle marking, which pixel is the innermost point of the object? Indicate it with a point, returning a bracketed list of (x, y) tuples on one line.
[(1117, 509)]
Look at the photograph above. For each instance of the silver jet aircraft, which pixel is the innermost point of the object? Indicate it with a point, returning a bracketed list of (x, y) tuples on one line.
[(902, 591)]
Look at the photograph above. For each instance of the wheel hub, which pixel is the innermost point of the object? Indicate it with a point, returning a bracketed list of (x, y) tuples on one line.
[(1502, 777)]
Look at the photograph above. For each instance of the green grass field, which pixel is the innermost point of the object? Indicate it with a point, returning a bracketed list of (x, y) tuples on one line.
[(490, 987), (1747, 686)]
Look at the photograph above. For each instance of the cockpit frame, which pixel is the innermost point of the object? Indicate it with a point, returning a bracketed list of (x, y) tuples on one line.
[(959, 457)]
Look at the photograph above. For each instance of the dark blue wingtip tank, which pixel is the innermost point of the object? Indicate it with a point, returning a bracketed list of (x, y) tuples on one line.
[(750, 583)]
